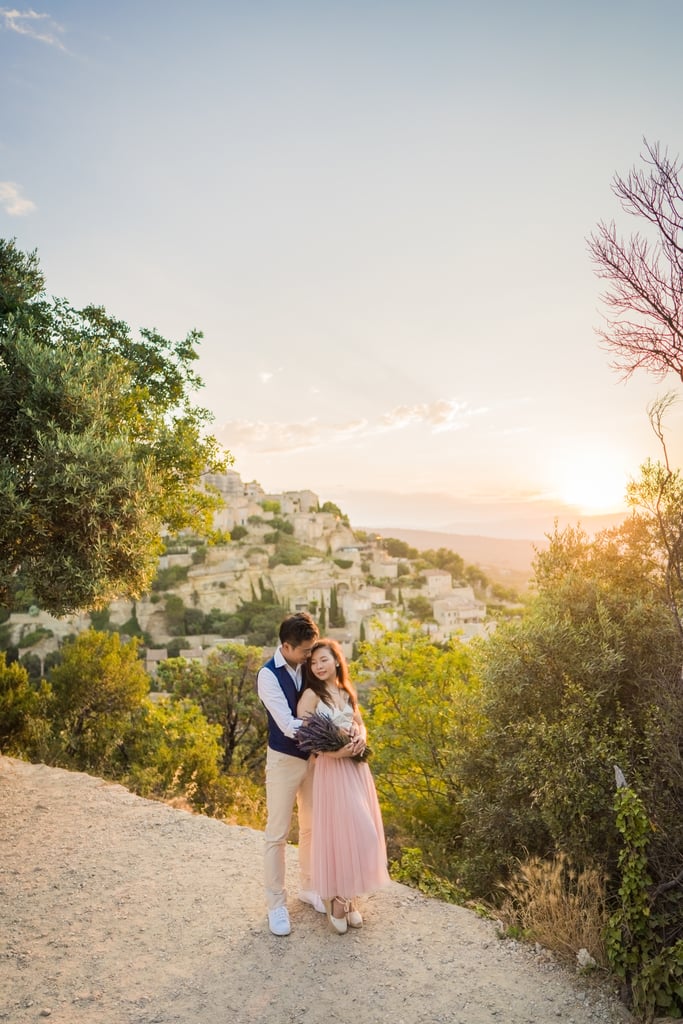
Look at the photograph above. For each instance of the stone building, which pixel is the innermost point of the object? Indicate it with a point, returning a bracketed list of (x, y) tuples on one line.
[(438, 582), (459, 612)]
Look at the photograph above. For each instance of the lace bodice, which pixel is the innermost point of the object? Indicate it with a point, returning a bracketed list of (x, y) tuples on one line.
[(342, 717)]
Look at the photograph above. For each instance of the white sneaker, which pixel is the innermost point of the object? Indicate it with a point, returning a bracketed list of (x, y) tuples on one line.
[(314, 900), (278, 921)]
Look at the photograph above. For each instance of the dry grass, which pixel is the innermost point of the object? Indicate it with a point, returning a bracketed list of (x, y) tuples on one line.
[(554, 904)]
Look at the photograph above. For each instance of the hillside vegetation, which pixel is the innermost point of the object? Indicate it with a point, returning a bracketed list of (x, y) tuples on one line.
[(240, 585), (535, 769)]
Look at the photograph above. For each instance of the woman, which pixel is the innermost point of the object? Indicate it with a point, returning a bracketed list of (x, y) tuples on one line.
[(348, 855)]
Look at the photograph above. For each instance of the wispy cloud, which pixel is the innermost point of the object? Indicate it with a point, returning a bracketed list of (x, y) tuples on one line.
[(444, 414), (12, 200), (264, 437), (34, 25)]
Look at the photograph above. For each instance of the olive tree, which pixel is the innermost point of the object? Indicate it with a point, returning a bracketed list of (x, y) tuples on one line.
[(102, 446)]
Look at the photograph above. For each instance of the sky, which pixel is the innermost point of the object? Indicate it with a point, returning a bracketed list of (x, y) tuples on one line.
[(377, 214)]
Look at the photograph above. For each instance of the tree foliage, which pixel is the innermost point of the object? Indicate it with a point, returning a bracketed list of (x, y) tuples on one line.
[(329, 506), (444, 558), (225, 689), (97, 687), (170, 749), (258, 620), (421, 608), (423, 711), (657, 498), (399, 548), (102, 445), (25, 728), (588, 678)]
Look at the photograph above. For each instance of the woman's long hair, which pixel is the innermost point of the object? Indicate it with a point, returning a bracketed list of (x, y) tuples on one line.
[(311, 682)]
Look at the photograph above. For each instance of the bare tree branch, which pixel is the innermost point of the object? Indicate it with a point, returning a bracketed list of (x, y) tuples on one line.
[(644, 320)]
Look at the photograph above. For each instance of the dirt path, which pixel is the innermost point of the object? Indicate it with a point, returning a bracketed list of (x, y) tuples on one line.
[(119, 910)]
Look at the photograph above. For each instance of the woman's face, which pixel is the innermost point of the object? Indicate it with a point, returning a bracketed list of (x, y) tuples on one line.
[(323, 664)]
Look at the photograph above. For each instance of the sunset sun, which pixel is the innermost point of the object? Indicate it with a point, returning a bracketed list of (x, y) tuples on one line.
[(591, 481)]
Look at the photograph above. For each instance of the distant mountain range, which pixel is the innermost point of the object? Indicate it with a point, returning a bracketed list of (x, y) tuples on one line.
[(499, 557), (487, 552)]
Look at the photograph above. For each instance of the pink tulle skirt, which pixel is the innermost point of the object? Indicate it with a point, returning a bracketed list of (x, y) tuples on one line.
[(349, 855)]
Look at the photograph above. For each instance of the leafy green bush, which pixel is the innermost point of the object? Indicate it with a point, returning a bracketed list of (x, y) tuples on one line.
[(638, 929), (99, 618), (171, 750), (177, 645), (199, 554), (31, 662), (225, 689), (25, 713), (166, 579), (424, 711), (287, 552), (195, 622), (587, 678), (411, 870), (35, 636), (97, 687)]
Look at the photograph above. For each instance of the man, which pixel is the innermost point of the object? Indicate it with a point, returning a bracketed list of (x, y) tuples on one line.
[(289, 773)]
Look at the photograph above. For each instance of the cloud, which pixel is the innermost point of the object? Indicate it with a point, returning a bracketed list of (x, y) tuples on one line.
[(265, 376), (265, 438), (444, 414), (34, 25), (12, 200)]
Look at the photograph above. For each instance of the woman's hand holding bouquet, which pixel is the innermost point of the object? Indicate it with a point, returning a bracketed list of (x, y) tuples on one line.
[(318, 734)]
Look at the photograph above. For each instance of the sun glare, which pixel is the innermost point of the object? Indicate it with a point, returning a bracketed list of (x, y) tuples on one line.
[(593, 482)]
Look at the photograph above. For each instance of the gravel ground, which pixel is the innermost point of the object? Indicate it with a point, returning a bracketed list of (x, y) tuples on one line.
[(120, 910)]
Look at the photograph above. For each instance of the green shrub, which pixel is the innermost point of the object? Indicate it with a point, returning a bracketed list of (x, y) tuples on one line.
[(25, 726), (411, 870), (166, 579), (637, 933), (199, 555), (35, 636), (99, 618)]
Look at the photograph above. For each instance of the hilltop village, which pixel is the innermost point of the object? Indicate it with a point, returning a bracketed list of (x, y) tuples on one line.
[(285, 547)]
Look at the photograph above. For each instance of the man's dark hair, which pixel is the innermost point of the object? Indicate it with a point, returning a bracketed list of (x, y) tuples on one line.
[(297, 629)]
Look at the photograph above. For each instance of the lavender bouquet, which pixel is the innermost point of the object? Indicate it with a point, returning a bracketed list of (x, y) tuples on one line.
[(318, 735)]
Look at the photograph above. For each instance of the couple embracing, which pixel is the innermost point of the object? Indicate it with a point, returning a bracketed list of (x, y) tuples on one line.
[(342, 852)]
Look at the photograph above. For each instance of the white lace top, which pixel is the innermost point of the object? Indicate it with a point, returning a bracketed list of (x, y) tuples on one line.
[(342, 717)]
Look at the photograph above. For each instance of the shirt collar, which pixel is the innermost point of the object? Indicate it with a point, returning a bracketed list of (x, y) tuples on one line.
[(281, 661)]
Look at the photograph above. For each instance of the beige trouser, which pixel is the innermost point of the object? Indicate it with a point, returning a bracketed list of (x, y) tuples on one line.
[(287, 778)]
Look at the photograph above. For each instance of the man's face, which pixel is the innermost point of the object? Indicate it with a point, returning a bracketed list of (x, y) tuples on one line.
[(297, 655)]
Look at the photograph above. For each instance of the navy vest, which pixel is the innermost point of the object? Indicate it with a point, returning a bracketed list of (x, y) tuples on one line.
[(276, 738)]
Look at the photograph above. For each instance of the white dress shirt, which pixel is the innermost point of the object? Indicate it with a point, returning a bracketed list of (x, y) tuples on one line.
[(270, 692)]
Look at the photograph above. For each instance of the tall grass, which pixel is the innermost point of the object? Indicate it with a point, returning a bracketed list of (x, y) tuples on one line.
[(553, 903)]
